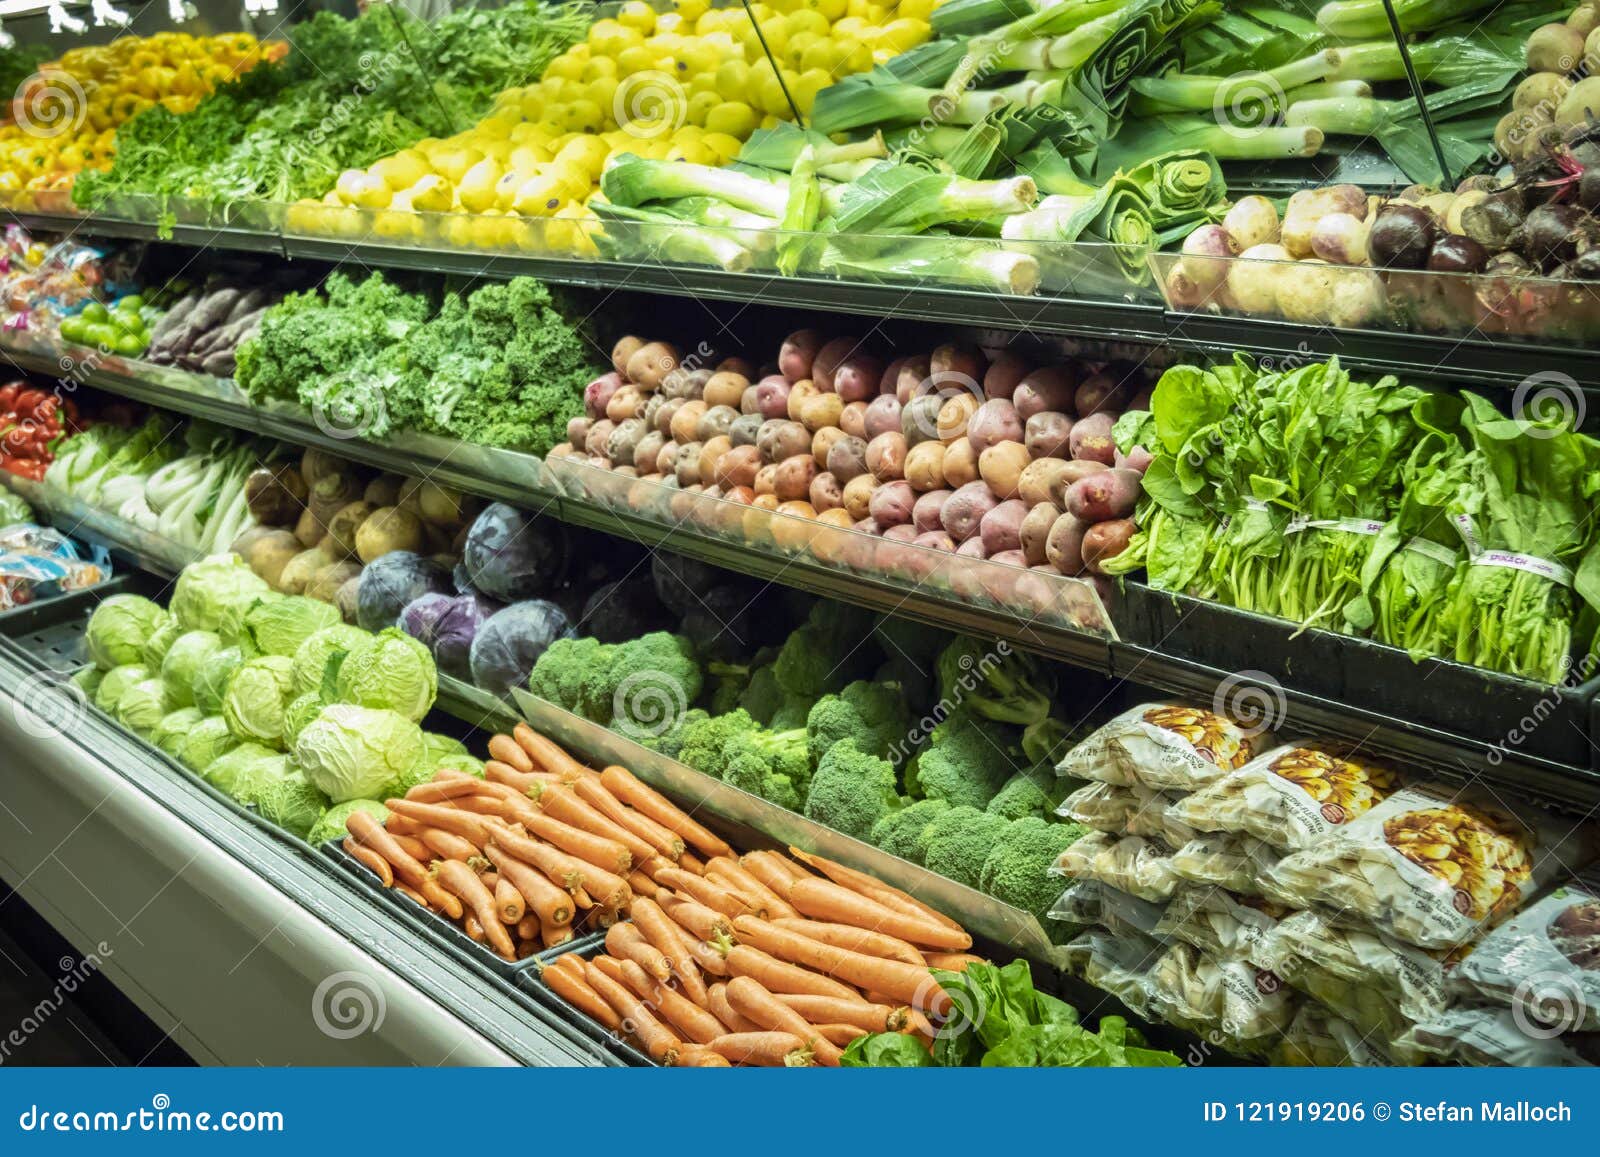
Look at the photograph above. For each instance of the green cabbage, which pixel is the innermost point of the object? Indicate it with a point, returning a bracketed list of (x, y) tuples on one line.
[(208, 742), (115, 682), (207, 588), (119, 629), (292, 804), (257, 695), (302, 710), (311, 660), (185, 657), (88, 681), (331, 825), (174, 728), (459, 761), (396, 672), (441, 745), (143, 706), (230, 624), (351, 752), (211, 684), (279, 626), (247, 771), (155, 647)]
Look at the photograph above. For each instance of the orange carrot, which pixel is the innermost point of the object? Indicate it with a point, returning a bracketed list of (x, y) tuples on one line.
[(439, 790), (876, 889), (825, 900), (568, 960), (642, 884), (761, 865), (400, 825), (554, 934), (690, 863), (551, 904), (447, 819), (411, 894), (490, 880), (415, 848), (606, 853), (665, 936), (369, 832), (508, 902), (717, 1002), (699, 1057), (562, 802), (694, 917), (507, 776), (528, 927), (744, 883), (447, 845), (623, 784), (375, 863), (827, 1010), (546, 753), (707, 958), (461, 882), (474, 930), (903, 982), (659, 1042), (861, 940), (754, 1002), (782, 976), (703, 891), (508, 750), (952, 961), (694, 1022), (608, 888), (574, 989), (839, 1035), (768, 1049), (662, 838), (626, 942)]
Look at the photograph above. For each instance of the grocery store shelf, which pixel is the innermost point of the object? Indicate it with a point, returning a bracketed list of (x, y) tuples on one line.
[(1467, 359)]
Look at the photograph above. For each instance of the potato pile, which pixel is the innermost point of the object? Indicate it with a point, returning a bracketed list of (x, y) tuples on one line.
[(958, 451), (322, 519)]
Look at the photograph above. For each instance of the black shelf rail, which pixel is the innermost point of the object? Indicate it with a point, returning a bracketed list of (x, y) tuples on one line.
[(1466, 359)]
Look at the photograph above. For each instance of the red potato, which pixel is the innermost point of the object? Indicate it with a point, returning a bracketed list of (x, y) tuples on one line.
[(1064, 545), (994, 422), (1105, 496), (847, 458), (853, 419), (1035, 532), (1004, 373), (725, 389), (1048, 434), (964, 511), (625, 348), (687, 467), (1001, 467), (799, 393), (766, 480), (935, 540), (955, 416), (1091, 439), (1138, 460), (958, 362), (924, 466), (716, 421), (792, 483), (826, 493), (647, 451), (891, 504), (798, 352), (772, 397), (746, 430), (597, 394), (828, 360), (578, 430), (894, 553), (1104, 393), (913, 379), (966, 577), (1001, 528), (925, 513), (861, 551), (738, 467), (960, 463), (665, 413), (919, 419), (1049, 388), (599, 434), (882, 417), (780, 439), (1104, 541), (821, 411), (856, 378), (686, 420), (742, 495), (858, 496), (886, 456), (822, 444), (891, 375)]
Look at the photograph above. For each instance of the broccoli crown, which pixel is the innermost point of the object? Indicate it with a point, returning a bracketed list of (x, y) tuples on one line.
[(670, 742), (910, 640), (1017, 870), (827, 652), (560, 672), (1021, 795), (792, 715), (900, 832), (709, 741), (851, 791), (1008, 687), (762, 696), (727, 693), (957, 841), (870, 713), (633, 684), (1048, 740), (785, 751), (748, 771), (966, 763)]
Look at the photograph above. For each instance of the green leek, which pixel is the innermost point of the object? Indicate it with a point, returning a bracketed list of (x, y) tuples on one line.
[(940, 259), (800, 217), (631, 181), (906, 199), (650, 235), (1182, 92), (1444, 60), (1366, 19)]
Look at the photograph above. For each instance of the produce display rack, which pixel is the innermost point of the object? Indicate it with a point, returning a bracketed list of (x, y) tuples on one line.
[(1453, 358)]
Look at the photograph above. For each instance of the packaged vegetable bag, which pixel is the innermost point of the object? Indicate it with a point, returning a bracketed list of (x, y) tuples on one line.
[(1316, 1038), (1164, 745), (1133, 864), (1237, 863), (1292, 796), (1495, 1037), (1118, 912), (1411, 980), (1248, 1007), (1220, 923), (1133, 810), (1119, 965)]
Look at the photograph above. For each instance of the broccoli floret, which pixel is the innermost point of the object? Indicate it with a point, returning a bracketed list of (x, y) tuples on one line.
[(733, 748), (762, 696), (1016, 871), (670, 742), (727, 693), (870, 713), (829, 651), (966, 762), (709, 742), (851, 791), (632, 684), (784, 751), (995, 681), (1046, 741), (792, 715), (1028, 793), (956, 843), (900, 832), (560, 672), (748, 771), (910, 640)]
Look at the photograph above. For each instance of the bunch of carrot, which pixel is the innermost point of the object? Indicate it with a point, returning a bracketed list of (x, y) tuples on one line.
[(764, 959), (540, 847)]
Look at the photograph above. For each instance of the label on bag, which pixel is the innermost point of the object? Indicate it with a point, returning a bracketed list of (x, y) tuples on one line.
[(1345, 525), (1543, 567), (1468, 531), (1427, 548)]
